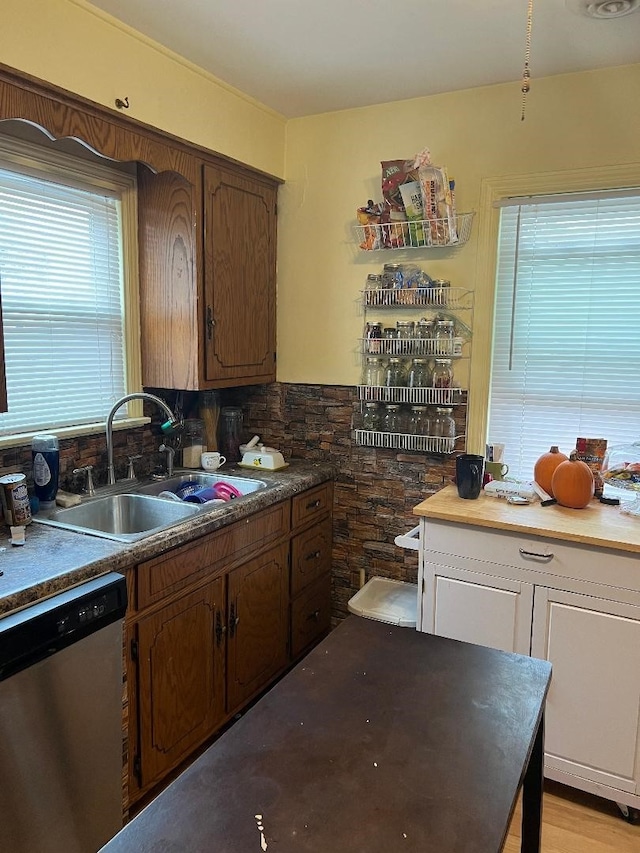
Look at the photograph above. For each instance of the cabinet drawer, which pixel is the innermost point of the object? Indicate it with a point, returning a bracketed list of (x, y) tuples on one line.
[(542, 554), (310, 615), (217, 551), (310, 555), (310, 505)]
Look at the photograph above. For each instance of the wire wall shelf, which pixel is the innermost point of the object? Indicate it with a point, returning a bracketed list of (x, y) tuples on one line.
[(419, 297), (412, 396), (430, 347), (404, 441), (415, 234)]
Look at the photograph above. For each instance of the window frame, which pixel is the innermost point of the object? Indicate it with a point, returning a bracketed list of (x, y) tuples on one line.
[(493, 190), (87, 170)]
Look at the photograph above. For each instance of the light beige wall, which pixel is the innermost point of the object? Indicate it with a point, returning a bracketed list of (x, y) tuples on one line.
[(333, 166), (75, 46)]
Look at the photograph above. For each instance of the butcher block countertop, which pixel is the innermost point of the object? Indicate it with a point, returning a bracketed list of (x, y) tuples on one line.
[(596, 524)]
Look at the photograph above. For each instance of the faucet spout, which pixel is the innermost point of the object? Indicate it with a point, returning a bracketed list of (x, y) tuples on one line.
[(168, 427)]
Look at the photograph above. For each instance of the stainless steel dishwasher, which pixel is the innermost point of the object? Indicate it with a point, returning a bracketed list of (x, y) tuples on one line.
[(61, 720)]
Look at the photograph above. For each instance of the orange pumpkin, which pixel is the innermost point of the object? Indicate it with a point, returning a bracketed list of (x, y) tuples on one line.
[(573, 483), (545, 466)]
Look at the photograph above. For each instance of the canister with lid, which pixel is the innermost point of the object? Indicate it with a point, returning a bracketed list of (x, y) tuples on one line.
[(374, 371), (443, 427), (419, 374), (193, 442), (371, 416), (443, 336), (15, 499), (418, 421), (392, 419), (442, 375), (231, 426), (394, 376)]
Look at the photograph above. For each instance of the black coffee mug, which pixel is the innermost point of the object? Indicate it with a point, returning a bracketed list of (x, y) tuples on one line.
[(469, 473)]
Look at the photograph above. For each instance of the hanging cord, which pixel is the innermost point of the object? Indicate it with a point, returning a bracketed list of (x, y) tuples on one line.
[(526, 73)]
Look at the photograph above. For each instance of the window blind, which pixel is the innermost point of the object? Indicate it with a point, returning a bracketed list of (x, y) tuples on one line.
[(566, 348), (62, 304)]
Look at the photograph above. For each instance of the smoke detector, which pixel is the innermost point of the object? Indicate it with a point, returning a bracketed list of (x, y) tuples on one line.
[(603, 10)]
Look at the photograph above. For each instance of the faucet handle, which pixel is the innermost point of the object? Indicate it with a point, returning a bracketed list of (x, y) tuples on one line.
[(88, 470), (131, 474)]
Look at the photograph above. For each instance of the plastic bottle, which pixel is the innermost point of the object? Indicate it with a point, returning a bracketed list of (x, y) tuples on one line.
[(45, 454)]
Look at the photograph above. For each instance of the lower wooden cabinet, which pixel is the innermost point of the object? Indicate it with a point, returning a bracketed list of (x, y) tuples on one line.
[(257, 626), (180, 669), (212, 623)]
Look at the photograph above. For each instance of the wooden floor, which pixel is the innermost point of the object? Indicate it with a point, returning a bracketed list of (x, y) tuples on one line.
[(575, 822)]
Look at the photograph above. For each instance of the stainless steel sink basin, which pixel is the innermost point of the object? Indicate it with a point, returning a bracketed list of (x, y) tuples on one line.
[(245, 485), (125, 518)]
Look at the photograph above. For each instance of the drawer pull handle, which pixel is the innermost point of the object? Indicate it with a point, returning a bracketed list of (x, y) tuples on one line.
[(221, 629), (314, 504), (314, 556), (315, 615), (537, 556)]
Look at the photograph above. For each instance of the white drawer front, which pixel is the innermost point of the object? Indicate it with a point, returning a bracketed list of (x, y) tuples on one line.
[(534, 554)]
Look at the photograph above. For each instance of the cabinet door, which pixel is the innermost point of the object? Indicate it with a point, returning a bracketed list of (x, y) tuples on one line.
[(593, 707), (239, 251), (170, 326), (257, 636), (477, 608), (180, 679)]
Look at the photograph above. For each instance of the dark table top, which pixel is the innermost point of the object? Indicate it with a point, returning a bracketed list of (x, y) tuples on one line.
[(382, 739)]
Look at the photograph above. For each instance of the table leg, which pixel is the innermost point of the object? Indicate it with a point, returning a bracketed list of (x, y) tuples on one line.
[(532, 795)]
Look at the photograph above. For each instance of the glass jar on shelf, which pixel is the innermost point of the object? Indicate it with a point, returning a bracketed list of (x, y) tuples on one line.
[(405, 330), (419, 423), (419, 373), (443, 428), (394, 375), (371, 417), (443, 335), (374, 372), (373, 333), (442, 374), (392, 420)]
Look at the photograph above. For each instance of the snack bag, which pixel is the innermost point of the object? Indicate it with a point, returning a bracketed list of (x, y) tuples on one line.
[(437, 200), (412, 199), (370, 217), (395, 173), (592, 451)]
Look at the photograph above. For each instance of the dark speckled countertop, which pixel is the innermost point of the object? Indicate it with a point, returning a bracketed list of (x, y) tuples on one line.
[(53, 559)]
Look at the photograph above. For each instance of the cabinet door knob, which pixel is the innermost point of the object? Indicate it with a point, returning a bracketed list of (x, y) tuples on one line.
[(210, 322), (313, 556), (313, 504), (314, 616), (534, 555)]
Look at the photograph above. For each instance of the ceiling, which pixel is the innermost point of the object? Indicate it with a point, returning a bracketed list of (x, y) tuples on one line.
[(302, 58)]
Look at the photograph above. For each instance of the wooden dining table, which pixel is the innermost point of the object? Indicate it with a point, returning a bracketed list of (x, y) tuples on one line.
[(381, 740)]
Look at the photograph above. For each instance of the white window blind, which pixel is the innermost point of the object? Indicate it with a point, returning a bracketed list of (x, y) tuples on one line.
[(566, 351), (62, 302)]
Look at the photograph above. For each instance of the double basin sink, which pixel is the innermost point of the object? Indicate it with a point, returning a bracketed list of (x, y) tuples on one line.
[(133, 510)]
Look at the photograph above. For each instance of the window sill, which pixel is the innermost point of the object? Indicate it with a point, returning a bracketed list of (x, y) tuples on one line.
[(24, 438)]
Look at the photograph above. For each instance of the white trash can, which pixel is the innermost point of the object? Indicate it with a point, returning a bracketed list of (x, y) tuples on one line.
[(394, 602)]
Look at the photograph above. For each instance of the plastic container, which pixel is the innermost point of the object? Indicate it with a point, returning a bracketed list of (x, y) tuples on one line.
[(45, 455), (621, 468), (385, 600), (231, 428), (210, 415)]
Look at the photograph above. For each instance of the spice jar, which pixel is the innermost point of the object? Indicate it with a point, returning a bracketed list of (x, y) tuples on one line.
[(374, 372), (394, 376), (231, 424), (373, 333), (419, 374), (392, 419), (193, 443), (371, 416), (442, 375)]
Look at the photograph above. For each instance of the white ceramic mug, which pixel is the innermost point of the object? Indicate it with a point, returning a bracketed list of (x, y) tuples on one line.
[(211, 460)]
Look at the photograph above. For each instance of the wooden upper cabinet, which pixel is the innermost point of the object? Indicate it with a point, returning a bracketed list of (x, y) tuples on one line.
[(207, 278), (239, 276), (170, 325)]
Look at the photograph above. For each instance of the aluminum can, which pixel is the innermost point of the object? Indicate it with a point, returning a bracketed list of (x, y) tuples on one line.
[(15, 499)]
